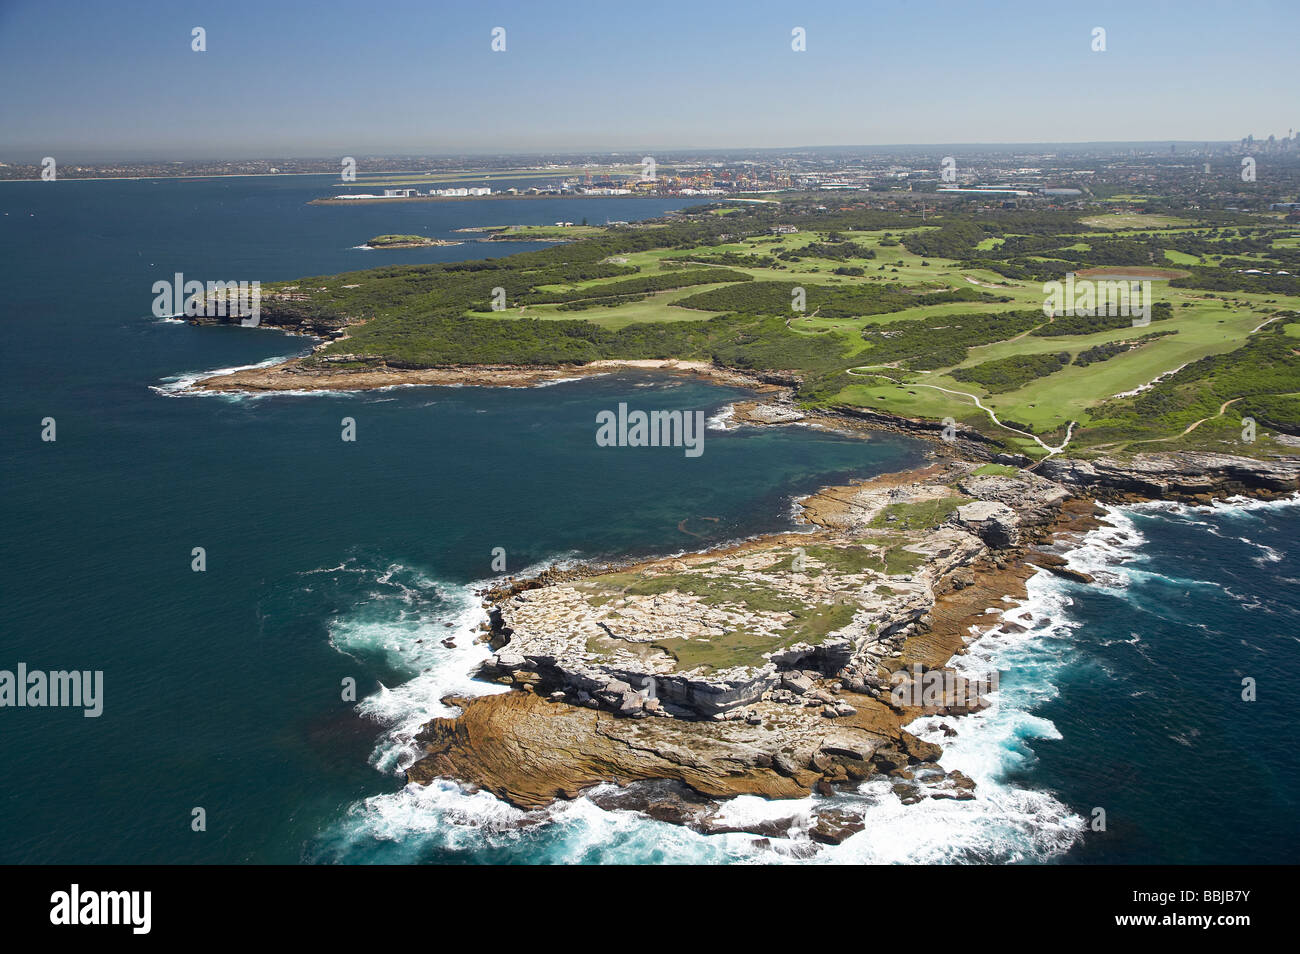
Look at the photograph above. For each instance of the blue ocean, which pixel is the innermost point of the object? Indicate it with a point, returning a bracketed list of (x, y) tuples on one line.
[(331, 562)]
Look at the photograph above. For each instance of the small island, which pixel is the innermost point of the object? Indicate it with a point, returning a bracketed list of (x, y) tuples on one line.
[(406, 241)]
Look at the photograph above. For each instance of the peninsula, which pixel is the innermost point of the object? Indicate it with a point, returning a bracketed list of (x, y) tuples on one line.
[(793, 663)]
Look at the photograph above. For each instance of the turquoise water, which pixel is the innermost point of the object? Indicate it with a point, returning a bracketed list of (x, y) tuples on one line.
[(329, 560)]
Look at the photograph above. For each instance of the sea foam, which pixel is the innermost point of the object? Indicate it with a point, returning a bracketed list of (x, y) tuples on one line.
[(1005, 821)]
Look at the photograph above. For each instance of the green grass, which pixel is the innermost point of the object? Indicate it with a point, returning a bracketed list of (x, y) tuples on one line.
[(900, 562), (921, 515), (847, 559), (1012, 372), (995, 470), (713, 591), (655, 308), (810, 622), (420, 316), (741, 647), (539, 233)]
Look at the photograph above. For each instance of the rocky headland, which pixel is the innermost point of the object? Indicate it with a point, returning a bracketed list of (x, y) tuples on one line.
[(790, 663), (777, 667)]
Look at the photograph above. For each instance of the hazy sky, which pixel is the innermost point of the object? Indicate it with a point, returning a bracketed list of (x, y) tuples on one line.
[(87, 79)]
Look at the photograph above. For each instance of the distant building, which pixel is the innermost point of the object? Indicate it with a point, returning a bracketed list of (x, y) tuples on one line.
[(985, 190)]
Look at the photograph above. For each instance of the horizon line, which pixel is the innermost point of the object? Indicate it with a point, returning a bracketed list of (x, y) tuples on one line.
[(477, 151)]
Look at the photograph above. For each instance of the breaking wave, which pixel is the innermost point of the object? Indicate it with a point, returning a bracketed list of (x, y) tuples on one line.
[(407, 617), (1034, 646)]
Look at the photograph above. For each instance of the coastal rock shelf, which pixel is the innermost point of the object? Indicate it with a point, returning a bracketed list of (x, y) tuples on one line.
[(773, 667)]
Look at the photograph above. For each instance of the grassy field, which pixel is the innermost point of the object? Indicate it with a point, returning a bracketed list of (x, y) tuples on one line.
[(655, 308), (620, 284), (542, 233)]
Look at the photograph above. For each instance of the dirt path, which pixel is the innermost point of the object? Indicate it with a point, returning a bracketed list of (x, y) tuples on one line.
[(1051, 451), (1194, 425), (1157, 440)]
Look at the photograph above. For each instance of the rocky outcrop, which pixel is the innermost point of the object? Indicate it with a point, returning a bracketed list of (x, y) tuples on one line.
[(967, 440), (284, 309), (769, 668), (529, 751), (1034, 499), (705, 635), (622, 644), (995, 523), (361, 372), (778, 411), (1186, 475), (1057, 565)]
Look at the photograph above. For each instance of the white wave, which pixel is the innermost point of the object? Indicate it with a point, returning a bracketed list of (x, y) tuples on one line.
[(404, 622), (1268, 554), (445, 818), (1209, 518), (1109, 554), (581, 377), (722, 420), (1004, 822), (177, 384), (399, 626), (1228, 507)]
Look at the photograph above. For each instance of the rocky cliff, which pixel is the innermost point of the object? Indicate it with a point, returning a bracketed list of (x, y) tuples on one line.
[(1185, 475)]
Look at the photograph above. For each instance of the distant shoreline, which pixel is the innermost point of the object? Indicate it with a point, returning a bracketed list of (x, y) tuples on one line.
[(390, 199), (214, 175)]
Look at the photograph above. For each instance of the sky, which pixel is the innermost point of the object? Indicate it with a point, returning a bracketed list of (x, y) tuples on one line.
[(90, 80)]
